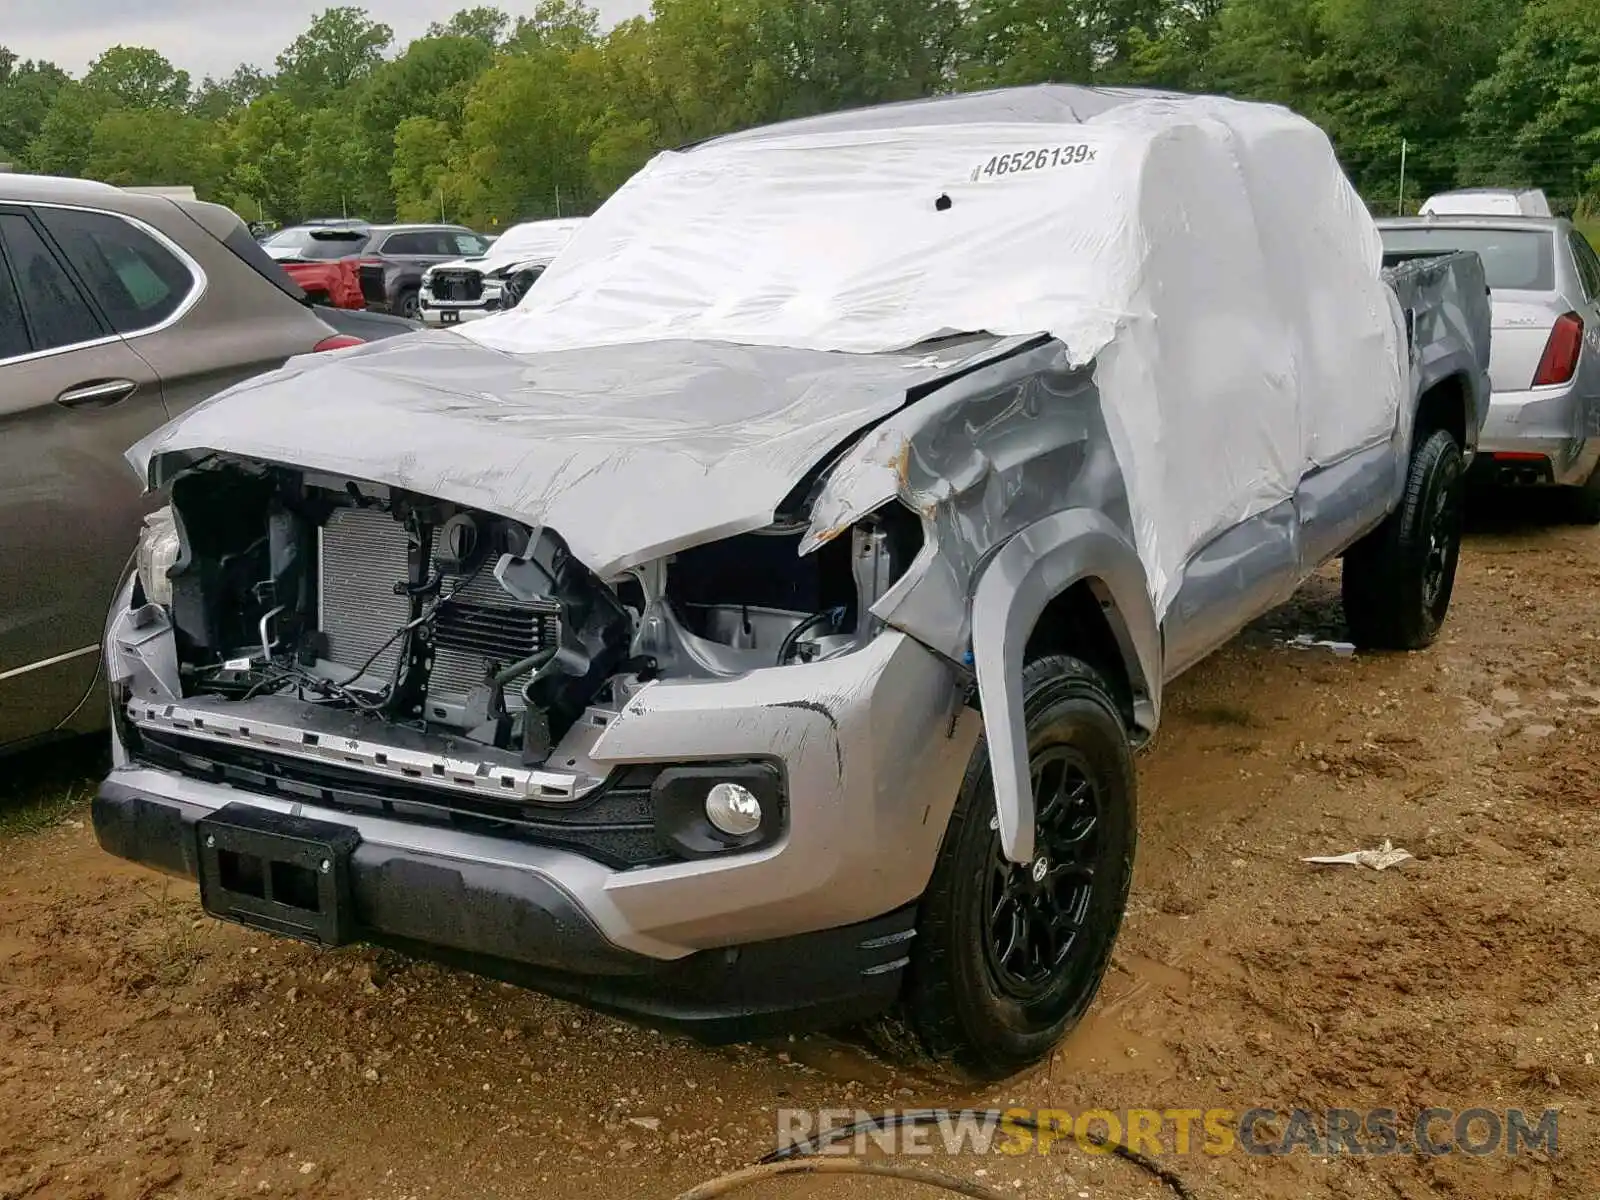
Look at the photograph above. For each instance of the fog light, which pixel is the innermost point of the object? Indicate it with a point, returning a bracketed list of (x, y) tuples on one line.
[(733, 809)]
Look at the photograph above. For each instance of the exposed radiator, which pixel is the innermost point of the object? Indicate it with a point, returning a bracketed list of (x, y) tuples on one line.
[(363, 555)]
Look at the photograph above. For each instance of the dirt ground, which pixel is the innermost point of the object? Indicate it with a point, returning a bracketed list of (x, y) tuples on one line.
[(146, 1051)]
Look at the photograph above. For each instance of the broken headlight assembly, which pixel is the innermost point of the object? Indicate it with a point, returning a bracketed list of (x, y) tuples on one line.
[(753, 601), (158, 551)]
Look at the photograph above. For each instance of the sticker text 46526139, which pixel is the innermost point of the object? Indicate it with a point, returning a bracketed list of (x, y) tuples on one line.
[(1041, 158)]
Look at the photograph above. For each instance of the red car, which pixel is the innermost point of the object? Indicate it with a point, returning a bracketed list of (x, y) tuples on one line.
[(322, 260), (335, 283)]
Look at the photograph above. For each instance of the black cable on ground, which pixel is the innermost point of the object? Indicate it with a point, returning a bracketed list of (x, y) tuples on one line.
[(726, 1185), (801, 1151)]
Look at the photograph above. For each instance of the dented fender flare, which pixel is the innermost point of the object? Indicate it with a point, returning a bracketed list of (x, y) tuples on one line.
[(1016, 586)]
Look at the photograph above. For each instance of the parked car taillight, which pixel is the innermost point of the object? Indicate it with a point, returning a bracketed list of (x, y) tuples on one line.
[(339, 341), (1560, 361)]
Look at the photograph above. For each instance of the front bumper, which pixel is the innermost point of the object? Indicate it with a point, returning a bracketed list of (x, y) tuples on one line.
[(455, 314), (1560, 425), (462, 905), (873, 747)]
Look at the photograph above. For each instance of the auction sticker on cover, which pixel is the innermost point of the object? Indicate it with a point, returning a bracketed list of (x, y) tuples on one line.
[(1038, 158)]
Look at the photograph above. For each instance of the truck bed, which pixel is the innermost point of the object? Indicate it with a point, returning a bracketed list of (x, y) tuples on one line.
[(1445, 298)]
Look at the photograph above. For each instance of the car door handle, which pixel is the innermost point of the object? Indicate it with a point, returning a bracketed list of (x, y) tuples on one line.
[(100, 394)]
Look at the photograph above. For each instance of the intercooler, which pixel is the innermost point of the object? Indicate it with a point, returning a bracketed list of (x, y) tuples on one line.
[(363, 555)]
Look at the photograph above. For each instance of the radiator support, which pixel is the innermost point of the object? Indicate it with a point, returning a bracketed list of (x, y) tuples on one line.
[(483, 628)]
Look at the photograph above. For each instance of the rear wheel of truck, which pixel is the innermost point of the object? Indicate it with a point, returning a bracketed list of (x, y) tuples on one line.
[(1008, 957), (1398, 579)]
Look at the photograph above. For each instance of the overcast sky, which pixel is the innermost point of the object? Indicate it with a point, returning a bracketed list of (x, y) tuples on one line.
[(211, 37)]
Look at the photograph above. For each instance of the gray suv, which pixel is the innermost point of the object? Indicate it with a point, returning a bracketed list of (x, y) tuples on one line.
[(117, 312), (395, 257)]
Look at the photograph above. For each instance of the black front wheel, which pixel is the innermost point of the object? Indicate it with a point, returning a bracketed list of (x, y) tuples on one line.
[(1009, 956), (409, 305), (1399, 578)]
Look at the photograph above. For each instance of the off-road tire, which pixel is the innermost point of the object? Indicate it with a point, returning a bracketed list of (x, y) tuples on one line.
[(1583, 502), (964, 1013), (1399, 578)]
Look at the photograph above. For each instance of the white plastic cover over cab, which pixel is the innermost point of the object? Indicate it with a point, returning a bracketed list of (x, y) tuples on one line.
[(535, 238), (1208, 256), (530, 242)]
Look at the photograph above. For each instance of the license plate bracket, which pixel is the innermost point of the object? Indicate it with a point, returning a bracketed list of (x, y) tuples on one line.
[(277, 872)]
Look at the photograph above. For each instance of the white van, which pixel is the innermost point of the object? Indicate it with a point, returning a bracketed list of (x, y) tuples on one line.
[(1488, 202)]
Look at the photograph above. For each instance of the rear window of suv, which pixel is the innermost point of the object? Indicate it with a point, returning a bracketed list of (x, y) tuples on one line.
[(139, 282), (1515, 260), (320, 243)]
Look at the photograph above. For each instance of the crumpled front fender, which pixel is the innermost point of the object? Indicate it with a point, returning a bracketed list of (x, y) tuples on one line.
[(1021, 579)]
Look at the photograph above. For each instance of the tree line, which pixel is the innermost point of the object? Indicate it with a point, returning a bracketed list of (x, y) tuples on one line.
[(490, 119)]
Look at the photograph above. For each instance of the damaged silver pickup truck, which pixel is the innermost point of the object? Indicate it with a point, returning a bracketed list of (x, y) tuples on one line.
[(758, 677)]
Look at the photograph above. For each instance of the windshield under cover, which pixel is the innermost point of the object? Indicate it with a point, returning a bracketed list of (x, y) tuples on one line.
[(861, 241)]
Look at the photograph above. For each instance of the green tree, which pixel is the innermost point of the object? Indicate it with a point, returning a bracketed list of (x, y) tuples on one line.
[(1535, 120), (268, 147), (1176, 54), (61, 147), (154, 146), (138, 77), (508, 114), (217, 99), (431, 79), (556, 24), (1269, 50), (525, 143), (822, 55), (1066, 41), (333, 168), (27, 90), (489, 25), (1373, 73), (1026, 41), (695, 69), (420, 175), (618, 82), (342, 47), (1398, 70)]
